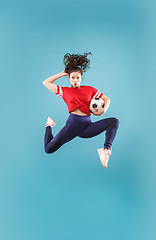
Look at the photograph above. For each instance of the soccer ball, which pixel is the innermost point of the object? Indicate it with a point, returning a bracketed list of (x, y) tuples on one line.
[(96, 103)]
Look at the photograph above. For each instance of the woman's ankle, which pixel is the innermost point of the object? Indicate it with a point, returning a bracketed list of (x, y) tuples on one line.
[(107, 148), (48, 125)]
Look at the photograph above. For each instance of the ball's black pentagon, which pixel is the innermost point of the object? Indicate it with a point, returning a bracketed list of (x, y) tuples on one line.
[(94, 105)]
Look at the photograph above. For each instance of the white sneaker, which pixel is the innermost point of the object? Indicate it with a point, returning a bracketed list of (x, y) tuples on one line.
[(104, 156), (50, 122)]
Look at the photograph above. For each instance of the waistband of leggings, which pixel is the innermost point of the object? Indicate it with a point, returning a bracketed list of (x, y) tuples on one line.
[(83, 116)]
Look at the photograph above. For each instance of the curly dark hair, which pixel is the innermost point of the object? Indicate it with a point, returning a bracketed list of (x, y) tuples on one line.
[(76, 62)]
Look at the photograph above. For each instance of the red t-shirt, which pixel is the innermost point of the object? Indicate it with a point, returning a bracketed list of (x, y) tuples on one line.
[(78, 97)]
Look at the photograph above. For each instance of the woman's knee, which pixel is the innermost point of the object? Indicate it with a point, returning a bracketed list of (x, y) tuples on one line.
[(52, 149), (115, 122), (48, 150)]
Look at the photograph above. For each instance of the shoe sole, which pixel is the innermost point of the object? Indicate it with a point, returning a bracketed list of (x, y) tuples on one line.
[(100, 158)]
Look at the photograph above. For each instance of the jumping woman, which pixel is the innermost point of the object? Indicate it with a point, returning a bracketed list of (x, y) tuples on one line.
[(78, 97)]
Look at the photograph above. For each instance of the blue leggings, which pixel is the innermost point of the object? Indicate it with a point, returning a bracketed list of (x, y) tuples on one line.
[(83, 127)]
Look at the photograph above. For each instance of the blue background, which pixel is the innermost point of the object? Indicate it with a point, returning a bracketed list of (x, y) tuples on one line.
[(68, 194)]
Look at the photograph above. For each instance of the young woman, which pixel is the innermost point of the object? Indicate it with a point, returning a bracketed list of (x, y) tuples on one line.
[(78, 97)]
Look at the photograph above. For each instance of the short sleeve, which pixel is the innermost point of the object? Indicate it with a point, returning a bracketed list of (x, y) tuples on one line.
[(59, 91), (96, 93)]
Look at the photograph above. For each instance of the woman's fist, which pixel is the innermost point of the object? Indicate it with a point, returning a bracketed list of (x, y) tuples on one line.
[(99, 111), (64, 73)]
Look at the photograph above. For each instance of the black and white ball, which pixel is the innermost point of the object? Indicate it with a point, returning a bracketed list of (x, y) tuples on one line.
[(96, 103)]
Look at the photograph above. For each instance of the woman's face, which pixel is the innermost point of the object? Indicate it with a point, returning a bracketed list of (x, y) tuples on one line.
[(75, 79)]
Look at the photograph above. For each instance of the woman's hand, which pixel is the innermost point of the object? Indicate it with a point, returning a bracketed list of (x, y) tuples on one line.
[(99, 111), (64, 73)]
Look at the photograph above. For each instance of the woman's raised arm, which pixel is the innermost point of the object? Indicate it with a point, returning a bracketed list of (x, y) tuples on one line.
[(54, 77), (49, 81)]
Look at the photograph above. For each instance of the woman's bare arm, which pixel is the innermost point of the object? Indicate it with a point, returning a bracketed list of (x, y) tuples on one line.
[(49, 81)]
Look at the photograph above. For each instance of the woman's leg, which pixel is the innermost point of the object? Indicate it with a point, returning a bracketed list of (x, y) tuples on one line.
[(51, 144), (95, 128)]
